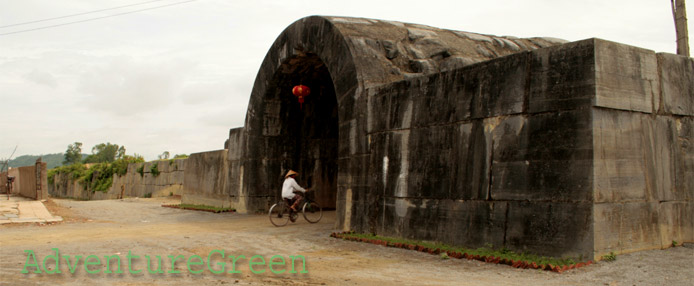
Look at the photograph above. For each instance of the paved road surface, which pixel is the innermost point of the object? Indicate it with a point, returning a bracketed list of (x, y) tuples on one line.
[(142, 227)]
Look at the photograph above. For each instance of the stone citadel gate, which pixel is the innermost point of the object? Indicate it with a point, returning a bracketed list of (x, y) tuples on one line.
[(561, 149)]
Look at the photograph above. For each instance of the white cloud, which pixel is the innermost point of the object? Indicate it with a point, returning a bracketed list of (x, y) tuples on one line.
[(202, 93), (42, 78), (178, 78), (125, 87)]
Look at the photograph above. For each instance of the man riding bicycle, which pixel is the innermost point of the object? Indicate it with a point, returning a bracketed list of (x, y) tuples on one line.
[(292, 193)]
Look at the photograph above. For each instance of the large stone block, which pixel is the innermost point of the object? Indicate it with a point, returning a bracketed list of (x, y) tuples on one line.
[(236, 145), (543, 157), (676, 221), (497, 87), (390, 164), (471, 156), (235, 182), (175, 178), (255, 177), (430, 166), (365, 209), (626, 227), (164, 166), (437, 99), (357, 171), (684, 159), (620, 167), (677, 84), (391, 106), (562, 77), (559, 229), (138, 191), (206, 173), (353, 138), (626, 77), (464, 223), (180, 164), (637, 157), (660, 155)]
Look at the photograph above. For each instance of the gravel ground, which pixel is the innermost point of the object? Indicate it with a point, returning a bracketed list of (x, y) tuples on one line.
[(143, 227)]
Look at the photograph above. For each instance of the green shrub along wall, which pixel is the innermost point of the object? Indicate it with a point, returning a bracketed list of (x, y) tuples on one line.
[(117, 180)]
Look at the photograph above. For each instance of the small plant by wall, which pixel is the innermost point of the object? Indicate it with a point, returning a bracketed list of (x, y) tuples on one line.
[(609, 257), (75, 171), (141, 170), (154, 170), (485, 254), (173, 160), (201, 208)]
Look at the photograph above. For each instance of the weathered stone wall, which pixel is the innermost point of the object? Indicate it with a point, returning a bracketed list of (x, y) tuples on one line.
[(206, 179), (644, 157), (215, 178), (132, 184), (481, 154), (558, 151)]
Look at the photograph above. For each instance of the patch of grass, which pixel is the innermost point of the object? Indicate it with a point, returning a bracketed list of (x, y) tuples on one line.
[(148, 195), (674, 243), (201, 208), (487, 250), (72, 198), (609, 257)]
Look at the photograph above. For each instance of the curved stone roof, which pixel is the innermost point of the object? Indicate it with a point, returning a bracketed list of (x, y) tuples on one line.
[(386, 51), (361, 53)]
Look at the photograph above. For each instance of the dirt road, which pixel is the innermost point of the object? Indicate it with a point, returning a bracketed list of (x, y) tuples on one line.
[(142, 227)]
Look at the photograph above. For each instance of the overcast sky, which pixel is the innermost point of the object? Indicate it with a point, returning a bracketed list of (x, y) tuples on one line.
[(177, 78)]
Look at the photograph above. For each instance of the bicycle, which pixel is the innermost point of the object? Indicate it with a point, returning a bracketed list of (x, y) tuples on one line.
[(280, 213)]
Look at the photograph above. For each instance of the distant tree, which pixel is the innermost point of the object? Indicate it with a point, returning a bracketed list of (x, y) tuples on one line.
[(105, 152), (164, 156), (121, 152), (73, 154)]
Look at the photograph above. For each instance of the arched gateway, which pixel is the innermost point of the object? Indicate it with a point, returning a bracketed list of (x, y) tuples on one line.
[(459, 137), (342, 60)]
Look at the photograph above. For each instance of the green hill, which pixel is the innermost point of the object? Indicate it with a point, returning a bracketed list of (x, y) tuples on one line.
[(52, 160)]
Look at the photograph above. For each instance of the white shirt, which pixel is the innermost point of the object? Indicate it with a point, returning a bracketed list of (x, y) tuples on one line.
[(288, 188)]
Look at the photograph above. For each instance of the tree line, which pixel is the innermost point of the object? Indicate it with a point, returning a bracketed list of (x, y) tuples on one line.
[(105, 153), (106, 160)]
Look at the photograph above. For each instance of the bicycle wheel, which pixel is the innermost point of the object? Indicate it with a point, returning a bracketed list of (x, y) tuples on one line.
[(279, 214), (312, 212)]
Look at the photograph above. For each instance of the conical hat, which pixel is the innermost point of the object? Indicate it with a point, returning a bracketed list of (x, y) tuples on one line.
[(290, 173)]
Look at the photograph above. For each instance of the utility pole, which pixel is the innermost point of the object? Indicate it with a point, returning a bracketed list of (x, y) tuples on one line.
[(680, 14)]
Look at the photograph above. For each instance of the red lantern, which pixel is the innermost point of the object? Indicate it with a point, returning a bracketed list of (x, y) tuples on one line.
[(301, 91)]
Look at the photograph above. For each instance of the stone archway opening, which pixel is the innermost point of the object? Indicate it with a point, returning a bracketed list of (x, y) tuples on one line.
[(307, 140)]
